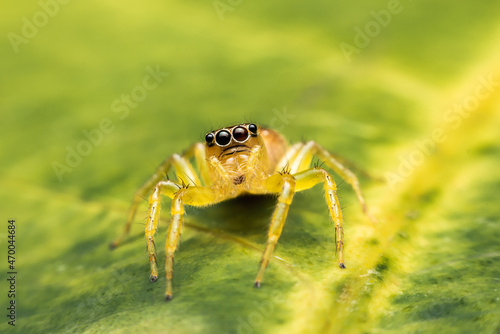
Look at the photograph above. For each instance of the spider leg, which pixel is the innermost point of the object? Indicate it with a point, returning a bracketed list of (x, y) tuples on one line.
[(284, 184), (301, 160), (196, 196), (290, 155), (198, 152), (183, 169), (309, 178), (344, 172), (187, 194), (167, 188)]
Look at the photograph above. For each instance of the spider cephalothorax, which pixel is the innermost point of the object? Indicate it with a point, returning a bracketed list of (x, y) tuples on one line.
[(235, 160), (231, 148)]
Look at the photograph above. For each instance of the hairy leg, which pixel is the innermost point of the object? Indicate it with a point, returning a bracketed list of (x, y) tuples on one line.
[(196, 196), (344, 172), (309, 178), (182, 167), (166, 188), (284, 184), (198, 152), (301, 156), (290, 155)]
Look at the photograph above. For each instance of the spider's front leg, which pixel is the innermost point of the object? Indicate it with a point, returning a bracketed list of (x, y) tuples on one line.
[(299, 157), (308, 179), (190, 195), (167, 188), (289, 185), (334, 163), (284, 184)]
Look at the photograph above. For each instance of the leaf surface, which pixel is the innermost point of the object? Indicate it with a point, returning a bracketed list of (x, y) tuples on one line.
[(418, 107)]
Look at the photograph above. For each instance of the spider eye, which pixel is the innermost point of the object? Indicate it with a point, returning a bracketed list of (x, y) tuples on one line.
[(253, 128), (222, 138), (209, 138), (240, 134)]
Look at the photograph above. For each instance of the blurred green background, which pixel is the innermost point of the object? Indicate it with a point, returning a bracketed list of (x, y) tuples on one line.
[(407, 90)]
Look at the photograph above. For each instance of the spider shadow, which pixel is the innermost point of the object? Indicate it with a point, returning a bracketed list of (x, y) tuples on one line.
[(246, 215)]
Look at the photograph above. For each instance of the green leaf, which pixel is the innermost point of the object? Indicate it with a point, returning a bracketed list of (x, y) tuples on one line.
[(417, 106)]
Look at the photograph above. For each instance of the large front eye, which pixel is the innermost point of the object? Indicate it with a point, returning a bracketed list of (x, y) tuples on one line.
[(223, 137), (209, 138), (240, 134)]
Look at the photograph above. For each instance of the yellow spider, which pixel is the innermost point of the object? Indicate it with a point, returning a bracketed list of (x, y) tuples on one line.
[(236, 160)]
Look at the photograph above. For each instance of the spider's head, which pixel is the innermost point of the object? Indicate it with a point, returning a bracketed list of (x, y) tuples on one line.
[(231, 140)]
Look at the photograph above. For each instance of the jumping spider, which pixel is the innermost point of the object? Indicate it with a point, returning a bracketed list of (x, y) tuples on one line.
[(237, 160)]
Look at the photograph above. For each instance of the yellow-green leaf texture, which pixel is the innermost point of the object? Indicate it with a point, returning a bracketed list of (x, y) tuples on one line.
[(416, 104)]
